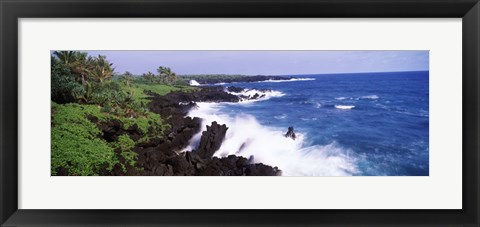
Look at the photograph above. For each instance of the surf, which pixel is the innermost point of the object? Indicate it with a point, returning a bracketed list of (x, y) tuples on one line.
[(344, 107), (263, 144)]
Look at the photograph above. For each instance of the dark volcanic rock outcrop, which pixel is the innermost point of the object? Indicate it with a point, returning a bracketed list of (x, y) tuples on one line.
[(235, 89), (182, 128), (178, 138), (111, 129), (211, 140), (164, 163), (160, 157), (291, 133), (114, 128), (237, 166)]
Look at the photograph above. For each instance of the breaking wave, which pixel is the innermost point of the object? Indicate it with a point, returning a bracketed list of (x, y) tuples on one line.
[(344, 107), (369, 97), (246, 95), (248, 138), (194, 83)]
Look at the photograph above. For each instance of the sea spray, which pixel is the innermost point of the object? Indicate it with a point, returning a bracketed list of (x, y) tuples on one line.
[(344, 107), (262, 94), (248, 138), (194, 83), (370, 97)]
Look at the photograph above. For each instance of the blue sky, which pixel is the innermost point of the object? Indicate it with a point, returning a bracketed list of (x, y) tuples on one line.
[(267, 62)]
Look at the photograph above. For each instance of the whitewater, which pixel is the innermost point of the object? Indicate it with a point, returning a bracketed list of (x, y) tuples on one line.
[(352, 124)]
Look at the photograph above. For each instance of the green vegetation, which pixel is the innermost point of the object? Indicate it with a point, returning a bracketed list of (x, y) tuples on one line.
[(165, 76), (163, 89), (76, 143), (65, 88), (85, 94), (125, 146)]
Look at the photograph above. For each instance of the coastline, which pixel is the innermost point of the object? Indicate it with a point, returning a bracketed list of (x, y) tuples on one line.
[(104, 123), (165, 157)]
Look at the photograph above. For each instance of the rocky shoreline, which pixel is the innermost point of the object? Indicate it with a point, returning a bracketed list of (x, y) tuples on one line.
[(242, 79), (162, 157)]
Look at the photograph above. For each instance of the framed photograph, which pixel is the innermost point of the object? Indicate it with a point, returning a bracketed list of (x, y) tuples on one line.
[(174, 113)]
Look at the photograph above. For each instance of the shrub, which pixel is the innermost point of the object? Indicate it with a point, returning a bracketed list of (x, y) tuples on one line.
[(64, 87), (125, 146), (113, 98), (76, 143)]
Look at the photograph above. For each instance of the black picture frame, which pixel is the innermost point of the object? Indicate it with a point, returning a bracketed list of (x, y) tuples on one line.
[(12, 10)]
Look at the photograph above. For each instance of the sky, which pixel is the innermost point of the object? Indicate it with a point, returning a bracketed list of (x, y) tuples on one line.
[(267, 62)]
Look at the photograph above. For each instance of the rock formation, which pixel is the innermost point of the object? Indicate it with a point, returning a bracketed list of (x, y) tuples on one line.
[(211, 140), (290, 133)]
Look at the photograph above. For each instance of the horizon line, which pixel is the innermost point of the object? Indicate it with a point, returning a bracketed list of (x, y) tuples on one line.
[(305, 74)]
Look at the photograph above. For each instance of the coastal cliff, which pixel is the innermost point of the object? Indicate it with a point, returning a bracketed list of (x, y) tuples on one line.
[(162, 157)]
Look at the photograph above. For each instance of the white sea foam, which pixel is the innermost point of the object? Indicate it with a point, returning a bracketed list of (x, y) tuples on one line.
[(341, 98), (194, 83), (318, 105), (248, 138), (344, 107), (283, 116), (263, 95), (370, 97)]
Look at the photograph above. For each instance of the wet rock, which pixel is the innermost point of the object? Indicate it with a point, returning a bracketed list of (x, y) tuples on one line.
[(260, 169), (160, 157), (236, 166), (211, 140), (290, 133)]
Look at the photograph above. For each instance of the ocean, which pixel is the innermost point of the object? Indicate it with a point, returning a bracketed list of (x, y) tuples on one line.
[(365, 124)]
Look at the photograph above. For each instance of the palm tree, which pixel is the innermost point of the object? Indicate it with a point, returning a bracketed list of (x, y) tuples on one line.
[(65, 56), (101, 69), (83, 67), (149, 76), (166, 75), (127, 78), (78, 63)]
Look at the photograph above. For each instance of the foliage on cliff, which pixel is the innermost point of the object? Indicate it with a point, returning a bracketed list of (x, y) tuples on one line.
[(85, 95)]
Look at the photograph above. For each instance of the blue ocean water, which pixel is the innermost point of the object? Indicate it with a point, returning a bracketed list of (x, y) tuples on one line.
[(377, 123)]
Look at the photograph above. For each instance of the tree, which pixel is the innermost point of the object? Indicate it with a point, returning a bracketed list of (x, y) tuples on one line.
[(149, 76), (64, 88), (127, 78), (166, 75), (86, 68), (101, 69), (78, 62), (66, 56)]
